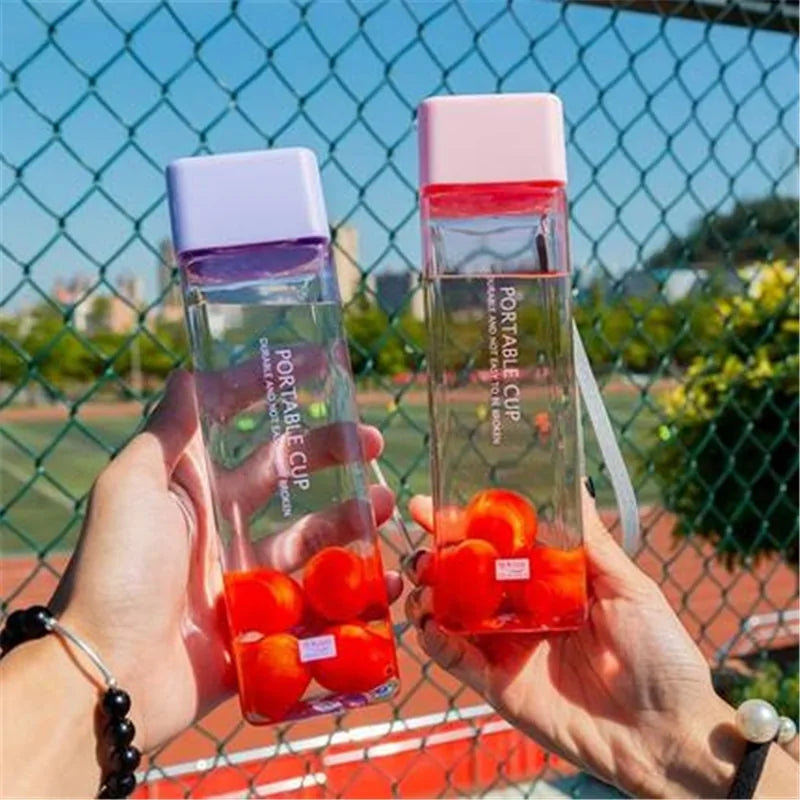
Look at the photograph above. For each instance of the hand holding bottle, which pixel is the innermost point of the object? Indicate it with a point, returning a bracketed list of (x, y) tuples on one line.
[(628, 696), (143, 585)]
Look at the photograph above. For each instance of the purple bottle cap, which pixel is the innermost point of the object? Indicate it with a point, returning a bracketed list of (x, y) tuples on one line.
[(246, 198)]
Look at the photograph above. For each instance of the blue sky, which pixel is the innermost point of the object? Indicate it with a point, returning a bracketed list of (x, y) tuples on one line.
[(665, 119)]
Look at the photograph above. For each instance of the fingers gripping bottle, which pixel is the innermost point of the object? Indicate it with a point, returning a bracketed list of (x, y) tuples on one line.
[(503, 397), (303, 583)]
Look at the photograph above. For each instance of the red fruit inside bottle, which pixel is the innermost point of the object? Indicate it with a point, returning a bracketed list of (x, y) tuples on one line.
[(557, 589), (272, 678), (376, 606), (503, 518), (262, 600), (466, 591), (364, 659), (335, 584)]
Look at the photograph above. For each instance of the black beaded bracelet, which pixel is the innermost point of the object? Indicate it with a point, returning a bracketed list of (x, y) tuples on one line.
[(34, 623)]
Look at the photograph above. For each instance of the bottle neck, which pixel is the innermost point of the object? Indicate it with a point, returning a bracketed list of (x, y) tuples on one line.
[(456, 200)]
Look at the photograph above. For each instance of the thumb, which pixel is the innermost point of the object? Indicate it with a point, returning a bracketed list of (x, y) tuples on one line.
[(611, 571)]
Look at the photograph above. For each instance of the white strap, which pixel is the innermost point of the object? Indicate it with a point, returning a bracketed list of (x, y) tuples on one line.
[(607, 441)]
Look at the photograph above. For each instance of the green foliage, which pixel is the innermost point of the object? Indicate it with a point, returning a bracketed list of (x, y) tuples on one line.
[(642, 334), (99, 313), (727, 462), (12, 365), (56, 352), (769, 682), (161, 350), (631, 333), (754, 230), (378, 346), (67, 359)]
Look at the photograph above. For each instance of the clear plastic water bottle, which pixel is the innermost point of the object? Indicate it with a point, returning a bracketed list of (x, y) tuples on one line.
[(304, 588), (503, 397)]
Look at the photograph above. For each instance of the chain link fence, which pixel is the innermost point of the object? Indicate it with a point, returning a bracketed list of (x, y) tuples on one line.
[(682, 146)]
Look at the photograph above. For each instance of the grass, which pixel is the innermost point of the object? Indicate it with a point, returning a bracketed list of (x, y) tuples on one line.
[(47, 467)]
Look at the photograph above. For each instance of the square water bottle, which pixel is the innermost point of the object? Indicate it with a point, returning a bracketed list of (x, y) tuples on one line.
[(303, 581)]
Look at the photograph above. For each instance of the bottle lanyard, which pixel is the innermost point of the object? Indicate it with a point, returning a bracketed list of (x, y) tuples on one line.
[(609, 447)]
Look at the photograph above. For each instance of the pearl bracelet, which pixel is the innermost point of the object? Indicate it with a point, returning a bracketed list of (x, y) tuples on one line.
[(760, 725), (759, 722)]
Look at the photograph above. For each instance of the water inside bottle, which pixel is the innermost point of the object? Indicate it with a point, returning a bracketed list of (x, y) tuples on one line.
[(504, 404), (303, 579), (277, 408)]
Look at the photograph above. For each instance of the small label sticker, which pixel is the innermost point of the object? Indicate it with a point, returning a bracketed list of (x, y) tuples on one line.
[(317, 648), (512, 569)]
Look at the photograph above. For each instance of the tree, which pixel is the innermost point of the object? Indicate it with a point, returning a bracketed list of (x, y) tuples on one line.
[(114, 354), (770, 680), (388, 348), (99, 313), (755, 230), (727, 456), (164, 350), (56, 351), (12, 365)]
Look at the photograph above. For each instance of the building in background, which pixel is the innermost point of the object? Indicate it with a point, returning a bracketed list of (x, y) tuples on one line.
[(348, 271), (92, 311), (400, 293), (391, 289), (73, 293), (125, 304), (675, 284), (418, 298), (170, 307)]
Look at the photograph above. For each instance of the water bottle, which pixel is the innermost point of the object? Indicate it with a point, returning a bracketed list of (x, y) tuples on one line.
[(505, 438), (303, 582)]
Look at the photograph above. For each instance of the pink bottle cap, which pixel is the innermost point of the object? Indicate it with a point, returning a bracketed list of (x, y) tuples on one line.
[(491, 138)]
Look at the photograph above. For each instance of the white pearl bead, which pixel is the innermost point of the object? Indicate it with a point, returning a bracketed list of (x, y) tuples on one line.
[(787, 730), (757, 721)]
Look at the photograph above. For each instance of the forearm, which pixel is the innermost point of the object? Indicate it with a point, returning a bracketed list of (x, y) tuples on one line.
[(48, 713)]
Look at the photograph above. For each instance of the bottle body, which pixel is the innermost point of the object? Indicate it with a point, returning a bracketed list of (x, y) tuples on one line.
[(504, 409), (303, 581)]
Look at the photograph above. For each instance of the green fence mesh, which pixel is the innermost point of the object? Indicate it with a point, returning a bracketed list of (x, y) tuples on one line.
[(682, 147)]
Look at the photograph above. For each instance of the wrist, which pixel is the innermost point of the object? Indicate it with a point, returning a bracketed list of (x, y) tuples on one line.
[(702, 753), (55, 751), (116, 658), (112, 652)]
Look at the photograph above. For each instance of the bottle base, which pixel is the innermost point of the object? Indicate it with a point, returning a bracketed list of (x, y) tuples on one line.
[(337, 703), (514, 623)]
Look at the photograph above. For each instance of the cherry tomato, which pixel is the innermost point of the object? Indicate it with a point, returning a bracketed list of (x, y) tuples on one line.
[(503, 518), (335, 585), (272, 678), (377, 603), (364, 659), (262, 600), (555, 561), (466, 591), (557, 588)]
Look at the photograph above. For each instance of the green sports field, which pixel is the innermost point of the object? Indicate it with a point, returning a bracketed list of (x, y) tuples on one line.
[(47, 466)]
